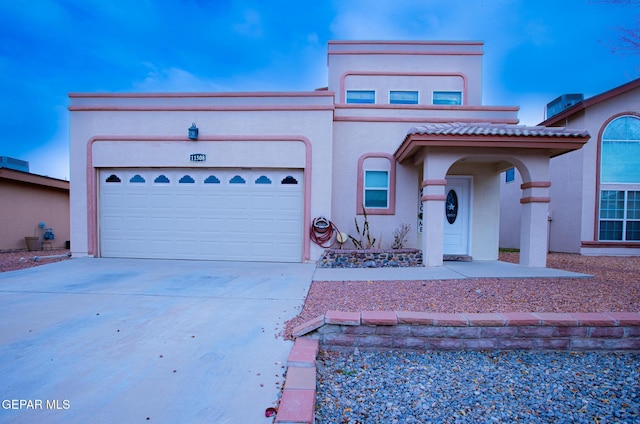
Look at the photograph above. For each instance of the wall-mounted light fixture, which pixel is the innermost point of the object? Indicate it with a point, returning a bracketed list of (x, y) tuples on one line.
[(193, 132)]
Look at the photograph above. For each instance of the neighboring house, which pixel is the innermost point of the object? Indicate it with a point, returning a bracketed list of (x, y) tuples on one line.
[(399, 131), (595, 191), (28, 199)]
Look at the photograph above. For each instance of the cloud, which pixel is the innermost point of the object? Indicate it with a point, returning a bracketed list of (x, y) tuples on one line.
[(175, 80)]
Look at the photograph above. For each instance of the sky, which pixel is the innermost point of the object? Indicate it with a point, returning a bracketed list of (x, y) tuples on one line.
[(534, 51)]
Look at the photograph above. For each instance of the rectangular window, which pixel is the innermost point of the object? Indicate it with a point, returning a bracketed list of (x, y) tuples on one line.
[(403, 97), (619, 215), (376, 189), (510, 175), (447, 98), (361, 96)]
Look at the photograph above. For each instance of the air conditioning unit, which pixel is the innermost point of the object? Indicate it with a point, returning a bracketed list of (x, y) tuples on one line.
[(562, 103)]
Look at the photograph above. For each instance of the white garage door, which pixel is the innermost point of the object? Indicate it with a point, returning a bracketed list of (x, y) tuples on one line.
[(212, 214)]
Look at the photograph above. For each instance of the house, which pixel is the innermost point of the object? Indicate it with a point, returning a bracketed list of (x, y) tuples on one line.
[(595, 195), (28, 199), (399, 131)]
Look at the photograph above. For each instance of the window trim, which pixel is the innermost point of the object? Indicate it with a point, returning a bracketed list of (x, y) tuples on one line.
[(599, 187), (391, 206)]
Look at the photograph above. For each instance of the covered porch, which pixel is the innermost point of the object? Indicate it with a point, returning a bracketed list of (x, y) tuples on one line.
[(453, 156)]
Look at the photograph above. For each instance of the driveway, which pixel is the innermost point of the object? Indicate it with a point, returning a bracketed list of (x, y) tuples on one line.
[(125, 340)]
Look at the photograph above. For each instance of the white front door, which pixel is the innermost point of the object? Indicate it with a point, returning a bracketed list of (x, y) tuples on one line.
[(456, 216)]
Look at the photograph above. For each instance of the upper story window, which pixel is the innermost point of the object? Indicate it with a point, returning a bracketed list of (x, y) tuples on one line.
[(361, 96), (620, 161), (619, 209), (447, 97), (403, 97)]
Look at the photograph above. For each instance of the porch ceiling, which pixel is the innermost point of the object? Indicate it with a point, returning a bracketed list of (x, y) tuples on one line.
[(554, 140)]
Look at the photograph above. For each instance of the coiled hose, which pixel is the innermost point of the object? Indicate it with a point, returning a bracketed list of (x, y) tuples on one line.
[(324, 233)]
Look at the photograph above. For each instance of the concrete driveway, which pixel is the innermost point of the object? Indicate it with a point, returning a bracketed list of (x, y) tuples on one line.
[(122, 340)]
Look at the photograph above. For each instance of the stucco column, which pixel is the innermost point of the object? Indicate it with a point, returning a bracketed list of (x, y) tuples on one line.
[(534, 226), (433, 199)]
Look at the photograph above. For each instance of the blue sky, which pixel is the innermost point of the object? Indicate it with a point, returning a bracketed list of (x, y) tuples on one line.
[(534, 51)]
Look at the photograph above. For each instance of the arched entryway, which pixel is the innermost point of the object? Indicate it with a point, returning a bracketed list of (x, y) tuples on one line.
[(478, 153)]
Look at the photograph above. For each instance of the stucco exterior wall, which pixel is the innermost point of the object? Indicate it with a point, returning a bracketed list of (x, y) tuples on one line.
[(25, 204), (352, 141), (279, 130), (426, 66)]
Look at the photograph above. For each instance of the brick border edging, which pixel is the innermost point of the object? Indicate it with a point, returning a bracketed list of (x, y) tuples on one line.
[(298, 402), (443, 331), (475, 331)]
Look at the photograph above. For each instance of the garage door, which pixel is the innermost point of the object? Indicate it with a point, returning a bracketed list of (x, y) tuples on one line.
[(211, 214)]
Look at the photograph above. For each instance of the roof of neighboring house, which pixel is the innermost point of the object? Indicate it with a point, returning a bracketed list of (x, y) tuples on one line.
[(555, 140), (592, 101), (28, 178)]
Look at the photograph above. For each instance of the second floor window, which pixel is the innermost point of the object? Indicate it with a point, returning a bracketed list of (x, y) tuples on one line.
[(403, 97), (447, 98), (361, 96)]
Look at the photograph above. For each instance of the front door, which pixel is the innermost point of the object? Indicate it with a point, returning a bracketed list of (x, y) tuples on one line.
[(456, 216)]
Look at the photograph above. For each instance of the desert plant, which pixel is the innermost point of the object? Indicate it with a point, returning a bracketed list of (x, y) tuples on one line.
[(400, 236), (364, 240)]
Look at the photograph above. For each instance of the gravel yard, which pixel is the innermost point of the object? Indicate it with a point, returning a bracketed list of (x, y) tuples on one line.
[(22, 259), (473, 387), (615, 287)]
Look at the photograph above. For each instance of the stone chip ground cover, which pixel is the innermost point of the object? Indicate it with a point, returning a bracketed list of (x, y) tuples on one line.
[(16, 260), (470, 387), (615, 287)]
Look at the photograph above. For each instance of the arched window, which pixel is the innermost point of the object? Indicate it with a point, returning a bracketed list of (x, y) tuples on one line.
[(620, 180), (376, 184)]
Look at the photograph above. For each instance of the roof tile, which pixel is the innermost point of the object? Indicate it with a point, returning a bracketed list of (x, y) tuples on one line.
[(506, 130)]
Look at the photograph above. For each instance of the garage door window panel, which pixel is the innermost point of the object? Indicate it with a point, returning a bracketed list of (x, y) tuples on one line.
[(263, 179), (237, 180), (289, 180)]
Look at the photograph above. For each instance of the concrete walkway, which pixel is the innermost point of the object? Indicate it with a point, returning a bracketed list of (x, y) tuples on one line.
[(117, 341), (450, 271)]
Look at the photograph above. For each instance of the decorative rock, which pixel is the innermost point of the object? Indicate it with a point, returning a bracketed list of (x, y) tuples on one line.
[(371, 258)]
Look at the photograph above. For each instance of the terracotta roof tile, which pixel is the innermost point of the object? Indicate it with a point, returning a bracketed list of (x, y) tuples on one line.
[(483, 128)]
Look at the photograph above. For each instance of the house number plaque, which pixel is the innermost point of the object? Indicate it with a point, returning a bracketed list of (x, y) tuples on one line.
[(198, 157)]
